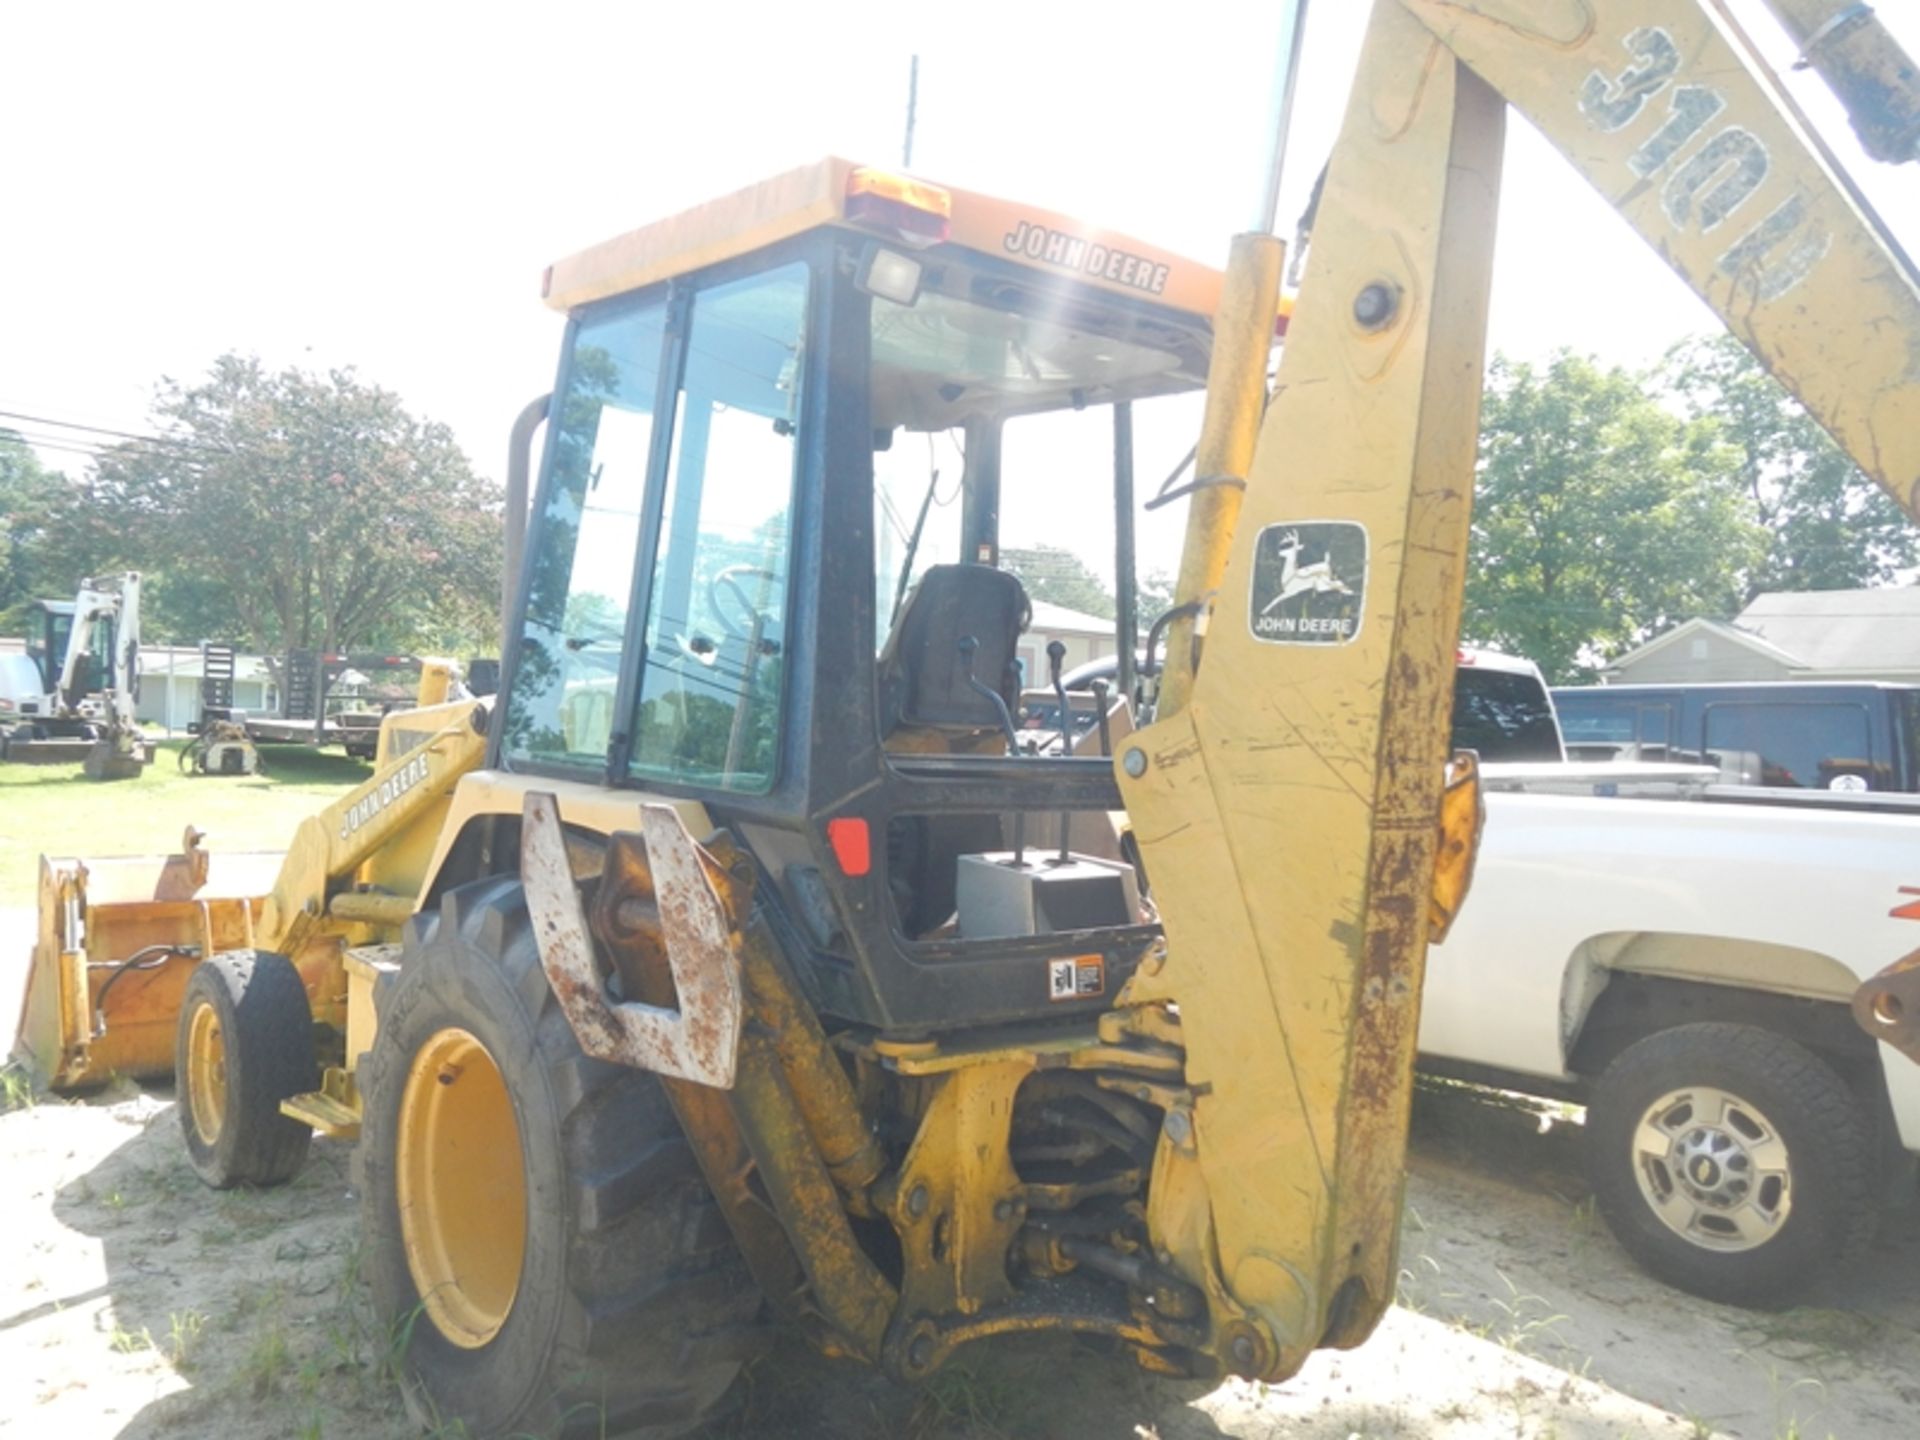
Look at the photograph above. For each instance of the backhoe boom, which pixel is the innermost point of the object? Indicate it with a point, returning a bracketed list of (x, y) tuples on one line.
[(1287, 812)]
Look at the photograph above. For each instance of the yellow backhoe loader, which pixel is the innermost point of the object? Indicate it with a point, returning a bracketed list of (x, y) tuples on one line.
[(768, 970)]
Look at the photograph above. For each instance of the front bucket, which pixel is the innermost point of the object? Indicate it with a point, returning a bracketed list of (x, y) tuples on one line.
[(115, 942)]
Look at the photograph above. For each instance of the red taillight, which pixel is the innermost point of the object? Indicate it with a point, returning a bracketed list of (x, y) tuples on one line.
[(852, 845), (1463, 657)]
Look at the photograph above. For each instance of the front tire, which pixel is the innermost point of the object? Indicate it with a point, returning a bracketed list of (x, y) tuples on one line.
[(244, 1044), (537, 1231), (1730, 1161)]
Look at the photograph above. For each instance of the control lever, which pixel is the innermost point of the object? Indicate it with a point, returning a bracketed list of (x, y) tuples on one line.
[(1100, 711), (1056, 657), (968, 646)]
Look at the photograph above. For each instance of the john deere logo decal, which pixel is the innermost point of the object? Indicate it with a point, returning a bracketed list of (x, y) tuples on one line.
[(1309, 583)]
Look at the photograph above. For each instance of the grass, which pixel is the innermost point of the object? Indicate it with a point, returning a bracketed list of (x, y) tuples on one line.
[(185, 1327), (1824, 1341), (55, 810)]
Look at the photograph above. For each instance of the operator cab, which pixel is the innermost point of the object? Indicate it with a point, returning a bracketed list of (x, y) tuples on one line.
[(49, 627), (765, 570)]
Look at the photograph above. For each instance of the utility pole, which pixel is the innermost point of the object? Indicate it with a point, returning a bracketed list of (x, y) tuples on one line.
[(913, 96)]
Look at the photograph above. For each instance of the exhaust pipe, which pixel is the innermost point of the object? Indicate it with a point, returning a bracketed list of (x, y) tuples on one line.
[(519, 498)]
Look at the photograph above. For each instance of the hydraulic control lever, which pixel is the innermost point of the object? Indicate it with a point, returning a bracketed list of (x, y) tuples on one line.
[(968, 646), (1056, 657)]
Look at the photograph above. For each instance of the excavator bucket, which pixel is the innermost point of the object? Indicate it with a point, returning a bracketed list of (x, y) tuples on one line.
[(107, 760), (116, 940)]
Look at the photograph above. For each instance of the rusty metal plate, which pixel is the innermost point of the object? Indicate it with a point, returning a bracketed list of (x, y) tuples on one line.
[(1888, 1006), (701, 1040)]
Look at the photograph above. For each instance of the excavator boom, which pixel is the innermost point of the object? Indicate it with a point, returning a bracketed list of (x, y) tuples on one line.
[(1657, 107), (1286, 801)]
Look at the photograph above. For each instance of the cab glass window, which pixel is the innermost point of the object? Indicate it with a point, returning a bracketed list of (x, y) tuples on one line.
[(1823, 747), (1503, 716), (582, 548), (716, 633), (1028, 372)]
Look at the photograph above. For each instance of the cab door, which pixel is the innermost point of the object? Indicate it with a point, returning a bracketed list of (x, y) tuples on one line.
[(654, 643)]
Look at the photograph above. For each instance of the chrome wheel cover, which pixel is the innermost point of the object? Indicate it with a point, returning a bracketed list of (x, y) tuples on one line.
[(1713, 1168)]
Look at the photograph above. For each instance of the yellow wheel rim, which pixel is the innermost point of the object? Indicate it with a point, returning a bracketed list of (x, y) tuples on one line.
[(462, 1189), (206, 1074)]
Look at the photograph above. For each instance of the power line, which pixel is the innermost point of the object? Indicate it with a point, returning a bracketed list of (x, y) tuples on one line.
[(91, 452), (94, 450), (163, 440)]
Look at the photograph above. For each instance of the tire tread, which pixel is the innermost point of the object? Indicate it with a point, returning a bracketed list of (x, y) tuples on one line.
[(650, 1326), (1835, 1215), (267, 1028)]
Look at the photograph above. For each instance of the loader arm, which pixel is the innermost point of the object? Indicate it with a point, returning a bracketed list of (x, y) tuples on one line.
[(331, 844), (1287, 806)]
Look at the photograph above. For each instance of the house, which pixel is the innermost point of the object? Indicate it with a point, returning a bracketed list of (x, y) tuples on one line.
[(1788, 635), (1087, 637), (170, 686)]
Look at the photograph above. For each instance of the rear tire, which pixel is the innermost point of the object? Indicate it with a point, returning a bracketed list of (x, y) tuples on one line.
[(244, 1044), (1731, 1162), (627, 1306)]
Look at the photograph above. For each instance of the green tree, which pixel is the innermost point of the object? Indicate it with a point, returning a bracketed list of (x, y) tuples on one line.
[(307, 511), (1152, 598), (41, 532), (1600, 518), (1828, 527), (1060, 577)]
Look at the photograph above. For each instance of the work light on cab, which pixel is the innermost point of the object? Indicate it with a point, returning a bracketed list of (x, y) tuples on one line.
[(889, 275)]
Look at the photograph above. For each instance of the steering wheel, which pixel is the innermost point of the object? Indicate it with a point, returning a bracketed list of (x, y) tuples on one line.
[(728, 582)]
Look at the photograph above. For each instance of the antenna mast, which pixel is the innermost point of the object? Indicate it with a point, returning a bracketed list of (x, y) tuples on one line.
[(913, 96)]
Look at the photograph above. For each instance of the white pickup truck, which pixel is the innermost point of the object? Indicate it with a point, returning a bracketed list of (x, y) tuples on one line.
[(1684, 967), (1680, 957)]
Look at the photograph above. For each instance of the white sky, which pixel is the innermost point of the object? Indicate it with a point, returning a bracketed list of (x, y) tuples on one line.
[(381, 185)]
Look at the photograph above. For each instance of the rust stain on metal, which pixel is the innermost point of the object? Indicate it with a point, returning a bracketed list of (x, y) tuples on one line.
[(699, 1040), (1887, 1007)]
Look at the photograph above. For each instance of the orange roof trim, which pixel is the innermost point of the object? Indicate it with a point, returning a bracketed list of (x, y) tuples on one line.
[(818, 194)]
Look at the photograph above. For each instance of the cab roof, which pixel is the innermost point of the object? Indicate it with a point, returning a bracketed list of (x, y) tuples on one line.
[(825, 192)]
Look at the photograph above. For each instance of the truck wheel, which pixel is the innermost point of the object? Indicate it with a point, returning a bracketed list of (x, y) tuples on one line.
[(244, 1044), (1731, 1162), (537, 1230)]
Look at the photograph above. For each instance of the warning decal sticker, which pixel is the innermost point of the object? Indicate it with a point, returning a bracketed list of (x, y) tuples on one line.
[(1076, 977), (1309, 583)]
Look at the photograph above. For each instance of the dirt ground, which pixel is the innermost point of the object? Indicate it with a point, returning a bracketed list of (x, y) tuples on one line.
[(134, 1303)]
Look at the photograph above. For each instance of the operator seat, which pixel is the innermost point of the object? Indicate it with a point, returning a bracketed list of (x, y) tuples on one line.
[(923, 681), (927, 707)]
